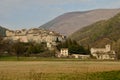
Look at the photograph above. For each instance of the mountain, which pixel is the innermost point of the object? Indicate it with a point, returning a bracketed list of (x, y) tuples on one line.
[(2, 31), (70, 22), (100, 33)]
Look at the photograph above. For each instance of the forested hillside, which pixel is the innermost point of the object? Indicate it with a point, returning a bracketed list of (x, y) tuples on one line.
[(100, 33)]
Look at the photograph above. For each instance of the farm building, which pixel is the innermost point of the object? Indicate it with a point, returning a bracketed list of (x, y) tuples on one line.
[(103, 53)]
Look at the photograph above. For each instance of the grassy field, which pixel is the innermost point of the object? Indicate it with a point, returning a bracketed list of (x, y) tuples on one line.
[(59, 70), (14, 58)]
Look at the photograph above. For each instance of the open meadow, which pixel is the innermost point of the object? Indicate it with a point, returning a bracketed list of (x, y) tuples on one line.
[(59, 70)]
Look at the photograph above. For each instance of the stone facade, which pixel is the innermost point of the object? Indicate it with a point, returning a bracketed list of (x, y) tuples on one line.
[(103, 53), (63, 52), (34, 35)]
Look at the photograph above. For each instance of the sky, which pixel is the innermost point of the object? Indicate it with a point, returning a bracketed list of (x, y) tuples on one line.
[(19, 14)]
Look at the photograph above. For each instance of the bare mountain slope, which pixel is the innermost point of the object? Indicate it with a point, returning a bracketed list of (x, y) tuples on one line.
[(70, 22)]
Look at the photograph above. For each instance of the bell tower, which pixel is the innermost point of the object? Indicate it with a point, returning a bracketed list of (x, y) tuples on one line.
[(108, 47)]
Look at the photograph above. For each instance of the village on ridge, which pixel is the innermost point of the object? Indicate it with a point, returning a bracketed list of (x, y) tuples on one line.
[(41, 35)]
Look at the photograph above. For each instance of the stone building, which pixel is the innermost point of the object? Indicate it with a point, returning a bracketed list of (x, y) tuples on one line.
[(34, 35), (103, 53), (63, 52)]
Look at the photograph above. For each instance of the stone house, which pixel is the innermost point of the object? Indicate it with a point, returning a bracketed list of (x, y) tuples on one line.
[(63, 52), (34, 35), (103, 53)]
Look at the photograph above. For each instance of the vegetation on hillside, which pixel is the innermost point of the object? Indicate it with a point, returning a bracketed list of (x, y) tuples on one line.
[(31, 49), (73, 47), (2, 31), (100, 34), (10, 48)]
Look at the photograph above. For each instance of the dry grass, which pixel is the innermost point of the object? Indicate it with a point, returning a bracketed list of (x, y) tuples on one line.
[(58, 66), (22, 69)]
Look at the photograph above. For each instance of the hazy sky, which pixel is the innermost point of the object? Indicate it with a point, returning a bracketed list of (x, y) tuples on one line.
[(17, 14)]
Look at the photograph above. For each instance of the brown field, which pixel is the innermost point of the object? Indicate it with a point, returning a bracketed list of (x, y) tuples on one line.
[(22, 68)]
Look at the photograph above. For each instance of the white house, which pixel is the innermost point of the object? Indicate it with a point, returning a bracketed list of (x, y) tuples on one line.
[(63, 52)]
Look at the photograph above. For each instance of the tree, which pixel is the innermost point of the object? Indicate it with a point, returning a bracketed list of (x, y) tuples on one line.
[(77, 49), (116, 47), (35, 48), (0, 40), (19, 49), (73, 47)]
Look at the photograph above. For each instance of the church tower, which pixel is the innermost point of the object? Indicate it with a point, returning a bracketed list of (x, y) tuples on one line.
[(108, 48)]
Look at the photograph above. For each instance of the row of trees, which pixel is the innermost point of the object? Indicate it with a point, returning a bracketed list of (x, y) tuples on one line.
[(32, 49), (17, 48), (73, 47), (10, 48)]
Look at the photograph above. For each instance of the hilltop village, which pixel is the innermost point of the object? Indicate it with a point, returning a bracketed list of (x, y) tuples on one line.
[(89, 39), (53, 41), (34, 35)]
